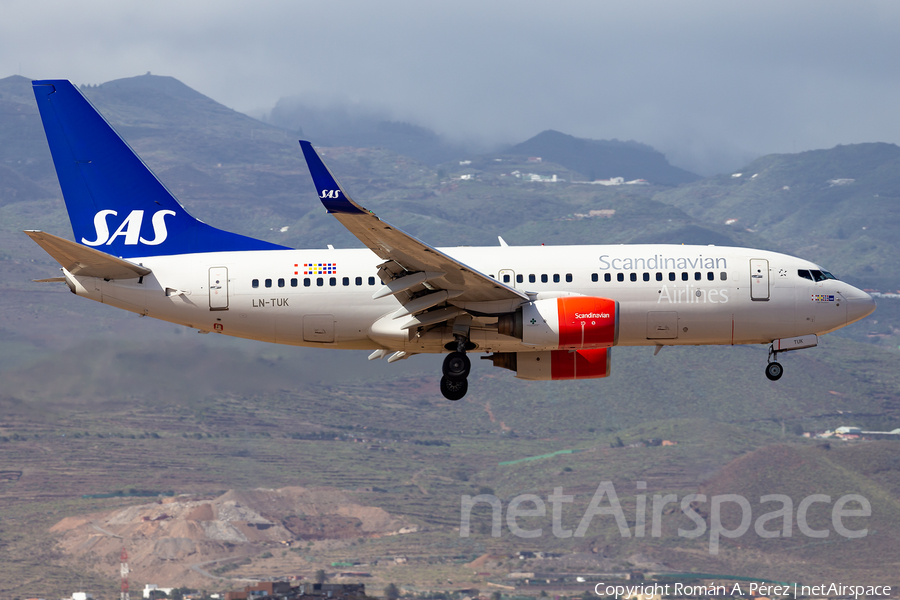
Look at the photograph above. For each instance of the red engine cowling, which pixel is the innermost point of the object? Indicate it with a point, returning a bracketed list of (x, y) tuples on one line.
[(592, 363), (571, 322)]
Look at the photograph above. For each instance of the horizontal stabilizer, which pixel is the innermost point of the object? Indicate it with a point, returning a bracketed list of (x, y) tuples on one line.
[(50, 280), (85, 261)]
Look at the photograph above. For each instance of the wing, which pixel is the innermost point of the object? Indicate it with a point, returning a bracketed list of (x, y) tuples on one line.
[(420, 275)]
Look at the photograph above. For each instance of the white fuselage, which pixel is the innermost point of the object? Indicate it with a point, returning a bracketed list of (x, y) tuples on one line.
[(324, 298)]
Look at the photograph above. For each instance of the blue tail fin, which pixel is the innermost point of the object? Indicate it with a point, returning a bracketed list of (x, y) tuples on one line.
[(115, 203)]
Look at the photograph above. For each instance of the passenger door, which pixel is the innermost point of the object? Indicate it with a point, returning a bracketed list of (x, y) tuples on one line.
[(218, 288), (507, 276), (759, 279)]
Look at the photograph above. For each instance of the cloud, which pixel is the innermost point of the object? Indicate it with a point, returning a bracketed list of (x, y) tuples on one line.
[(709, 83)]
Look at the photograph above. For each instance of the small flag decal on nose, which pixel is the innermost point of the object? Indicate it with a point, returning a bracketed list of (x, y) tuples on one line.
[(316, 269)]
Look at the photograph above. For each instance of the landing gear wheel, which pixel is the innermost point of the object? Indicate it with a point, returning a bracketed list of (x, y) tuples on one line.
[(457, 366), (454, 389), (774, 371)]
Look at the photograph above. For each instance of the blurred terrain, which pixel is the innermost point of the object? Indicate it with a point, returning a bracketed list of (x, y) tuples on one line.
[(95, 401)]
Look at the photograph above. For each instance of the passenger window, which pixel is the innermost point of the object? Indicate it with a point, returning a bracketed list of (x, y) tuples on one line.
[(698, 276), (359, 281), (371, 281), (684, 276), (281, 282), (620, 277), (531, 279), (671, 276), (594, 277), (607, 277), (506, 279), (723, 276), (568, 278), (268, 283), (332, 281), (659, 276), (306, 282), (254, 283), (320, 282), (804, 274), (711, 276), (293, 282), (544, 278), (346, 281), (633, 276), (520, 279), (556, 278), (646, 276)]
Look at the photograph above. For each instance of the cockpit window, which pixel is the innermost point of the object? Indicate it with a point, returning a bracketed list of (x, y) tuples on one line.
[(821, 275), (814, 275)]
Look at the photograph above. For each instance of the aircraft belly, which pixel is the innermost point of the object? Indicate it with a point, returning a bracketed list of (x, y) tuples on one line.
[(127, 294)]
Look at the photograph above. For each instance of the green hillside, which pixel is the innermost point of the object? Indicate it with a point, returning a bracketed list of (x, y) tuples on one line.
[(839, 207), (604, 159)]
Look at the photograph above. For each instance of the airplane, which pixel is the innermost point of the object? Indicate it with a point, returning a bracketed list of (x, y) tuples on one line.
[(544, 312)]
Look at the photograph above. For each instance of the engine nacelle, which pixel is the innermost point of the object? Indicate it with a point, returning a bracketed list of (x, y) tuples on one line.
[(591, 363), (566, 323)]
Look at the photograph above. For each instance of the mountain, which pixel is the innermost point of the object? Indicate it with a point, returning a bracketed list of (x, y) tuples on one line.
[(839, 207), (350, 125), (603, 159)]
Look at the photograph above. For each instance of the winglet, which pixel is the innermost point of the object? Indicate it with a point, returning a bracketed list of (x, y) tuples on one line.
[(331, 194)]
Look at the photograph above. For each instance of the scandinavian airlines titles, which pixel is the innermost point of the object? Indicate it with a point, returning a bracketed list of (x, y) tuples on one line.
[(658, 261)]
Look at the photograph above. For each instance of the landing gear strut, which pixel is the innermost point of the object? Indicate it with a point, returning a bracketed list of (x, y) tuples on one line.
[(774, 370), (457, 365)]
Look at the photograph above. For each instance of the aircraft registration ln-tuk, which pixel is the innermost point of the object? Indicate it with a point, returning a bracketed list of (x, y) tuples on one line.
[(545, 312)]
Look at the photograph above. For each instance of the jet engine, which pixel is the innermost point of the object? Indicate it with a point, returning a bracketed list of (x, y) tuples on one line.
[(566, 323), (591, 363)]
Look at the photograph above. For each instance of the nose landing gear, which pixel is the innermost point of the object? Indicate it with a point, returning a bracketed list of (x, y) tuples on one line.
[(454, 383), (774, 370)]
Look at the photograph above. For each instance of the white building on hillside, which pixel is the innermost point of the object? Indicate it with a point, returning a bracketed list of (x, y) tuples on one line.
[(152, 587)]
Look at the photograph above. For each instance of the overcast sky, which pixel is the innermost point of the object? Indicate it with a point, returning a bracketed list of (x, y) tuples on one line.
[(709, 83)]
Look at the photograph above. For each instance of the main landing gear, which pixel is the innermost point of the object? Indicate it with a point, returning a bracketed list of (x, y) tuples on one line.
[(774, 370), (454, 383)]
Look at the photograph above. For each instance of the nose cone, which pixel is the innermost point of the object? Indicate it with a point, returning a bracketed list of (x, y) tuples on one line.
[(859, 305)]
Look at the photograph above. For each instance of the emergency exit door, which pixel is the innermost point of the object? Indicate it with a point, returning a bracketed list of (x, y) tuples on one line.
[(507, 276), (759, 279), (218, 288)]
